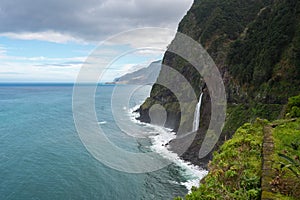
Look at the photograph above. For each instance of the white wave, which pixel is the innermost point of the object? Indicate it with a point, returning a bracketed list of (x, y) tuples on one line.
[(195, 174), (132, 113), (192, 172), (160, 138)]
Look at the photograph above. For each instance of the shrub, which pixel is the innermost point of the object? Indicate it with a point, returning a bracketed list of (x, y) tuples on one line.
[(293, 107)]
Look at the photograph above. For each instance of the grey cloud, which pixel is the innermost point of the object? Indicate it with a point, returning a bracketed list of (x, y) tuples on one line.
[(89, 19)]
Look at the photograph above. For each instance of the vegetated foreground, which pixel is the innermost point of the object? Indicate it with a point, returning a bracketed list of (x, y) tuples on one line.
[(261, 161), (255, 44)]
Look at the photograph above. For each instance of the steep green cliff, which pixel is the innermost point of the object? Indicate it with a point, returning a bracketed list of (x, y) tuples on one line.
[(256, 47), (261, 161)]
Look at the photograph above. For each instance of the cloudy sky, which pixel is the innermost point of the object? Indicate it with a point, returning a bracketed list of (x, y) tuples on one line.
[(49, 40)]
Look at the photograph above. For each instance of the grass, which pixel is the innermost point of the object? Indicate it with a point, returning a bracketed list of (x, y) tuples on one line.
[(235, 170), (286, 159)]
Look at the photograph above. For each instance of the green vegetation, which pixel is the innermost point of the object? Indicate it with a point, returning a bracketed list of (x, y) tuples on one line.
[(274, 31), (290, 163), (293, 107), (286, 159), (265, 61), (286, 165), (238, 114), (256, 46), (235, 170)]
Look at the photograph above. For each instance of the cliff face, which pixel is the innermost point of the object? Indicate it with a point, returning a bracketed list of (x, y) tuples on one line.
[(147, 75), (256, 47)]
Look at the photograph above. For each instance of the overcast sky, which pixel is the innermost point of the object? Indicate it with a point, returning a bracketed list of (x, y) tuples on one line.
[(60, 34)]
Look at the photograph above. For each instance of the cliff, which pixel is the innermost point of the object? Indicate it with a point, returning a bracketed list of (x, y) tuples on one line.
[(147, 75), (256, 47), (261, 161)]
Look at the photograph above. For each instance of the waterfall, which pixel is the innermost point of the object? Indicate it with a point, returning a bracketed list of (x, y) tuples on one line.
[(197, 114)]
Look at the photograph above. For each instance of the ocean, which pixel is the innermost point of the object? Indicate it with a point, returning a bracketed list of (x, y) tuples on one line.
[(42, 156)]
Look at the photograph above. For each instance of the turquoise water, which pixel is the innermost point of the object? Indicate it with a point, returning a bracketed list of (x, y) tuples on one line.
[(42, 157)]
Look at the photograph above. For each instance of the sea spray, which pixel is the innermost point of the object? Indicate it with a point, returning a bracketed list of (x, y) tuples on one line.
[(160, 138), (191, 172)]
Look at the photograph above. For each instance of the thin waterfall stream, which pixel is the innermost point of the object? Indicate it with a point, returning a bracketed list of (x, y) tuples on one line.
[(197, 114)]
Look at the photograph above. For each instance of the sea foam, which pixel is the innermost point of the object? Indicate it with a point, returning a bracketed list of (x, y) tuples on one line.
[(102, 122), (160, 138)]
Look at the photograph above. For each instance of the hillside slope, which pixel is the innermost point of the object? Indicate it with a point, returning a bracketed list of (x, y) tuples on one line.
[(261, 161), (147, 75), (256, 47)]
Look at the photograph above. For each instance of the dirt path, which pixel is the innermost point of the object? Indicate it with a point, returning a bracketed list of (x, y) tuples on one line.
[(267, 172)]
